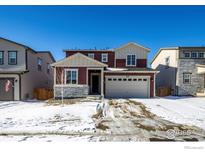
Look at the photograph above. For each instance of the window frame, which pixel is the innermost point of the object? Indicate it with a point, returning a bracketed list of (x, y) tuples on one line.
[(65, 76), (106, 57), (167, 63), (194, 52), (2, 57), (187, 52), (93, 55), (48, 68), (201, 53), (135, 61), (15, 58), (39, 66), (187, 73)]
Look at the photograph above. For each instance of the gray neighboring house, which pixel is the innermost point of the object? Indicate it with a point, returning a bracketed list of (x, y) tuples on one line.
[(25, 68), (182, 69)]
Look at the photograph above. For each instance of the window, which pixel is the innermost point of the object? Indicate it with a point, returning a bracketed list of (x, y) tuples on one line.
[(1, 57), (91, 55), (167, 62), (201, 54), (124, 79), (139, 79), (144, 79), (104, 57), (134, 79), (71, 76), (194, 55), (119, 79), (12, 57), (129, 79), (109, 79), (187, 78), (114, 79), (187, 54), (39, 63), (48, 68), (131, 60)]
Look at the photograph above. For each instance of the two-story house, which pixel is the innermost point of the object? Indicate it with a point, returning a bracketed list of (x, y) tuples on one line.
[(22, 69), (120, 72), (182, 69)]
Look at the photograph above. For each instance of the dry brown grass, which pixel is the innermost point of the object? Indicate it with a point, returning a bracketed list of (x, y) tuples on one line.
[(65, 101), (101, 126)]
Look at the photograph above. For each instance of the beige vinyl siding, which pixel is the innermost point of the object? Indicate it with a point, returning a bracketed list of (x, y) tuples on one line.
[(8, 46), (166, 76), (122, 53), (34, 78)]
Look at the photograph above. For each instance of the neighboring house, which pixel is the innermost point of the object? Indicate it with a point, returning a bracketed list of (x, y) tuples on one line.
[(25, 68), (182, 69), (121, 72)]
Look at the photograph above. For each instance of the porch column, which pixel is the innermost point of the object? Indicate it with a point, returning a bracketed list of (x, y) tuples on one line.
[(154, 84), (102, 82), (54, 82)]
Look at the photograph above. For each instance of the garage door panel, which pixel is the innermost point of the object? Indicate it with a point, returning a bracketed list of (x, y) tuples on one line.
[(134, 86), (6, 96)]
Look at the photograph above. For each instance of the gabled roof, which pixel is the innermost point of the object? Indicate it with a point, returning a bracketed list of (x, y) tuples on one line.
[(133, 43), (158, 52), (78, 60), (26, 47)]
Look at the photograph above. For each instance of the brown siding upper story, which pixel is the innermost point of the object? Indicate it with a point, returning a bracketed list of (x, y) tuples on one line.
[(81, 74), (121, 63), (111, 58), (97, 56)]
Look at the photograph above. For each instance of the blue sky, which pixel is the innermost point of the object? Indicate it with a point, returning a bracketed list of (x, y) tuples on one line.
[(56, 28)]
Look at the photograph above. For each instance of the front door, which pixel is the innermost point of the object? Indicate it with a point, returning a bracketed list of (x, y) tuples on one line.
[(95, 84)]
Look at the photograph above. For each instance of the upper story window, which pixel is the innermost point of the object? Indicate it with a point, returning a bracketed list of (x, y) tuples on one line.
[(167, 61), (39, 63), (201, 55), (12, 57), (187, 78), (48, 68), (104, 57), (131, 60), (71, 76), (194, 55), (187, 54), (1, 57), (91, 55)]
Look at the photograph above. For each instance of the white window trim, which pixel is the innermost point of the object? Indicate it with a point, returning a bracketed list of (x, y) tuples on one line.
[(93, 55), (135, 59), (196, 54), (189, 54), (65, 72), (199, 54), (189, 78), (104, 54)]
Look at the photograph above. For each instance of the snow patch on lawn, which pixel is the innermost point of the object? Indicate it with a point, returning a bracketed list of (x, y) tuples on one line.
[(38, 116), (183, 110)]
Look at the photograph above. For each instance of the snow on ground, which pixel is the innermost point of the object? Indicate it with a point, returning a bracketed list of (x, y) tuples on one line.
[(183, 110), (34, 116)]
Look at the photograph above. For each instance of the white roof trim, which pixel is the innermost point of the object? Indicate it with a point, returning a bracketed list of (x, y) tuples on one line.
[(65, 62), (133, 43)]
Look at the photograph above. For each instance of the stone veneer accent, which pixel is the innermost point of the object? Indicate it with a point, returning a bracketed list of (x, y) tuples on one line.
[(197, 80), (71, 91)]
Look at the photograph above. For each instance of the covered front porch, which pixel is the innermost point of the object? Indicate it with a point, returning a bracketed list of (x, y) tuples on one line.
[(78, 76), (201, 71)]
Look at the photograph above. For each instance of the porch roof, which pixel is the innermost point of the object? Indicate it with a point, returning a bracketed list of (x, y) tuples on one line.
[(200, 69), (78, 60)]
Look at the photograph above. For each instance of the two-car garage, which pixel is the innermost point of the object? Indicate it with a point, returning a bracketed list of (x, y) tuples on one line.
[(126, 86)]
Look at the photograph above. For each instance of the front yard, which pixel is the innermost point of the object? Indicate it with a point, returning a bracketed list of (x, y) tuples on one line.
[(158, 119)]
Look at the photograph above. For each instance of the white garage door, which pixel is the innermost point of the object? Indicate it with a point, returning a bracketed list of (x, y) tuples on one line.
[(127, 86)]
